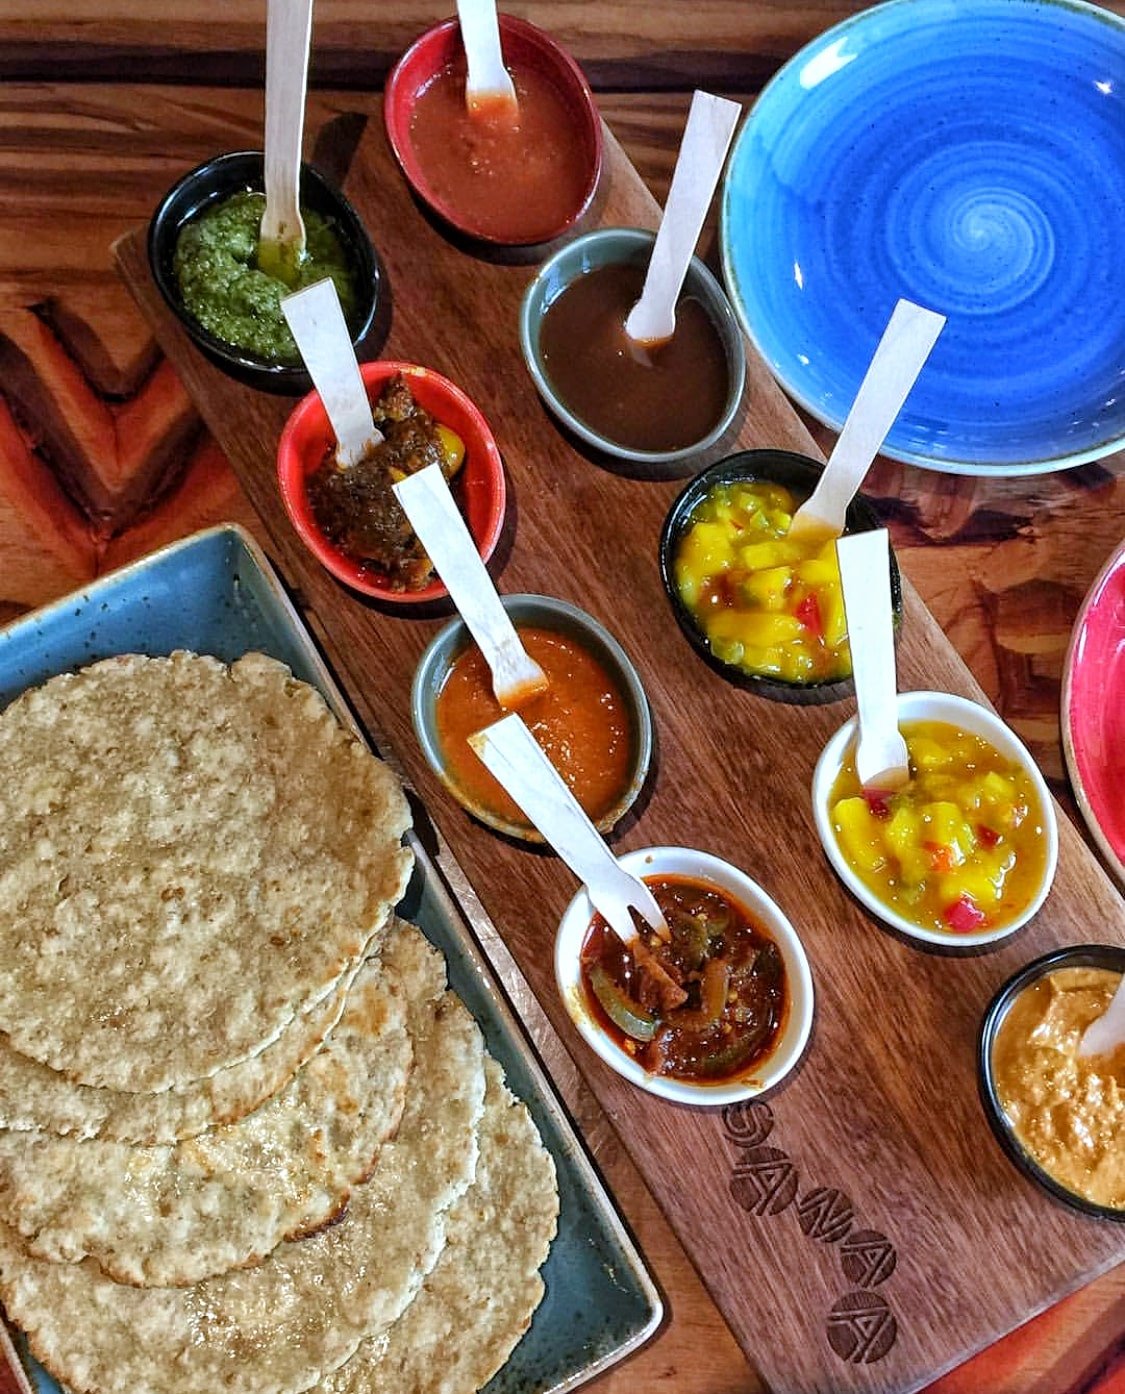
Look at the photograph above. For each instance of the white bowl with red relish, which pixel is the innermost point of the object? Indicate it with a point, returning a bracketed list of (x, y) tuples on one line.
[(964, 854), (748, 1005)]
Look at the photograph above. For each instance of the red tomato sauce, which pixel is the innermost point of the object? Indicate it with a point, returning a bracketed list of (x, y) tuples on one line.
[(514, 181), (581, 721)]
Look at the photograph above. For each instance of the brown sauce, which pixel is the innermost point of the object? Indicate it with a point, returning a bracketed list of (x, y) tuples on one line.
[(581, 721), (731, 976), (664, 398), (514, 181)]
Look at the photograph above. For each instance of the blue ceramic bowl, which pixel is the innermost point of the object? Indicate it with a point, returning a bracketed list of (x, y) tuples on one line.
[(611, 246), (969, 155)]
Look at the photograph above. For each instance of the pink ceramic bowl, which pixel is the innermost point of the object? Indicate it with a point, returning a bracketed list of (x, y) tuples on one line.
[(480, 485), (1093, 711), (525, 47)]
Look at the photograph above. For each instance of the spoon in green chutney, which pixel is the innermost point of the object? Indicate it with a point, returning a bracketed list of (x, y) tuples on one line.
[(281, 237)]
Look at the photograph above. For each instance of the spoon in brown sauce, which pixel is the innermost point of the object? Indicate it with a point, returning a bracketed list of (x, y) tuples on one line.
[(703, 151), (442, 531), (316, 321), (490, 93), (1107, 1032), (281, 236)]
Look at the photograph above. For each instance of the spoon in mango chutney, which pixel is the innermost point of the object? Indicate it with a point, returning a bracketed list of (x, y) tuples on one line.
[(316, 321), (442, 531), (882, 761), (703, 152), (281, 236), (899, 356), (490, 93), (513, 757)]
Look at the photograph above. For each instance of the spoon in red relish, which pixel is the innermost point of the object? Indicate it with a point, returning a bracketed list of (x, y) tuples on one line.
[(490, 93), (513, 757)]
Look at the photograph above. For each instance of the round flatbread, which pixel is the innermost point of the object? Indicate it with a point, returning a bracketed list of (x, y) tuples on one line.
[(172, 1216), (33, 1097), (190, 855), (280, 1327), (481, 1296)]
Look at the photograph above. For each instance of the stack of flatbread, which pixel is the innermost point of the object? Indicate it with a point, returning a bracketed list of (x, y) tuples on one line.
[(250, 1141)]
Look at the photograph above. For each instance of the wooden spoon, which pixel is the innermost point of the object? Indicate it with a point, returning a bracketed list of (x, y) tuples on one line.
[(881, 758), (436, 519), (514, 757), (707, 136), (907, 340), (316, 319), (281, 237), (1106, 1033), (489, 89)]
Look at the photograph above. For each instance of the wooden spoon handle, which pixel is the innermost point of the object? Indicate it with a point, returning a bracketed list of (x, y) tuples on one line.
[(288, 30)]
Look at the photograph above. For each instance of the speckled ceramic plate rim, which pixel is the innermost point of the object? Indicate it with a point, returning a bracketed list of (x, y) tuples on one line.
[(1066, 715), (1008, 470), (428, 899)]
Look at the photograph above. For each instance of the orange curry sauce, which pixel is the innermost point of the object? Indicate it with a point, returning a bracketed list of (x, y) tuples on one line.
[(581, 721)]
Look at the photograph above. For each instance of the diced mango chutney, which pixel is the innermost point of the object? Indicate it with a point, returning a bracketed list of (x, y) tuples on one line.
[(767, 605), (960, 848)]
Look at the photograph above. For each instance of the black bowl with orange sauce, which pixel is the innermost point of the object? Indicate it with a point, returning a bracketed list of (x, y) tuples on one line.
[(594, 719)]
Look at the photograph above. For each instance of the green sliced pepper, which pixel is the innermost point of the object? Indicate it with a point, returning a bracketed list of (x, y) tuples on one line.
[(626, 1015)]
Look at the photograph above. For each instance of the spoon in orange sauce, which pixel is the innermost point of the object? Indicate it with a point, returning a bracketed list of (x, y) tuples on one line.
[(490, 93), (437, 521)]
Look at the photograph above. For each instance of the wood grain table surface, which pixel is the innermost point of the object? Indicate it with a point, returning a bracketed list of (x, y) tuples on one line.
[(102, 457)]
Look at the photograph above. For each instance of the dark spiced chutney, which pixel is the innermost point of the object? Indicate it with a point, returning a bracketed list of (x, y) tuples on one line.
[(649, 398)]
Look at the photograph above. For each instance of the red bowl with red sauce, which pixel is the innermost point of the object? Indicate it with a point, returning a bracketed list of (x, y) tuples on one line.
[(479, 486), (523, 191)]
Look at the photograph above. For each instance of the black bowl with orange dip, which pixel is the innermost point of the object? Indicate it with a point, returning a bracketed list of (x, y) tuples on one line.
[(509, 183), (593, 721)]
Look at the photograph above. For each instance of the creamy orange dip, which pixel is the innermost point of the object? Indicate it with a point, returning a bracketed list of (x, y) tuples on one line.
[(1068, 1112)]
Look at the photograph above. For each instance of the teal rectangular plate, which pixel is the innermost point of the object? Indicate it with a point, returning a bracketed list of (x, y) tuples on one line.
[(215, 593)]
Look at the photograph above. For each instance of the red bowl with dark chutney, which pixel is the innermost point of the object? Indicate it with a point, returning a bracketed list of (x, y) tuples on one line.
[(507, 186), (478, 486)]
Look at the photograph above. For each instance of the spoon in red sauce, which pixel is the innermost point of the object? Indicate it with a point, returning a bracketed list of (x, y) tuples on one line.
[(703, 151), (437, 521), (513, 757), (281, 236), (490, 93)]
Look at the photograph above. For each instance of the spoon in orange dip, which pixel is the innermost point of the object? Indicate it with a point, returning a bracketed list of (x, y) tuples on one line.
[(881, 758), (435, 517), (490, 93), (899, 357), (514, 758), (703, 151)]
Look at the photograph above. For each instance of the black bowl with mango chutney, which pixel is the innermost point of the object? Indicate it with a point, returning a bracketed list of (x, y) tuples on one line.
[(217, 182), (797, 475), (993, 1070)]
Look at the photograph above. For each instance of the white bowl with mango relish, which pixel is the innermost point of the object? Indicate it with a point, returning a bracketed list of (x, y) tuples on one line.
[(965, 854), (707, 873)]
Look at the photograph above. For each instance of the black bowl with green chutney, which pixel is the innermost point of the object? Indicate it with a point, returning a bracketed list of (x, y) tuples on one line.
[(799, 475), (201, 251)]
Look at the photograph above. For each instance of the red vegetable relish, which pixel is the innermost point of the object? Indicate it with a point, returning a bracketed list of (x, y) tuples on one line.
[(517, 181), (731, 970)]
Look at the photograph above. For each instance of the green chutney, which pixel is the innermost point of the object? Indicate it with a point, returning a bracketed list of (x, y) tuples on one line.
[(216, 266)]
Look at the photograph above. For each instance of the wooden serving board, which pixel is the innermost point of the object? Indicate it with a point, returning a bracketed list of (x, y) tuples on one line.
[(860, 1230)]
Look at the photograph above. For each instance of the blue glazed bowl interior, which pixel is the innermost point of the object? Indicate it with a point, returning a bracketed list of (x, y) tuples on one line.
[(970, 156)]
